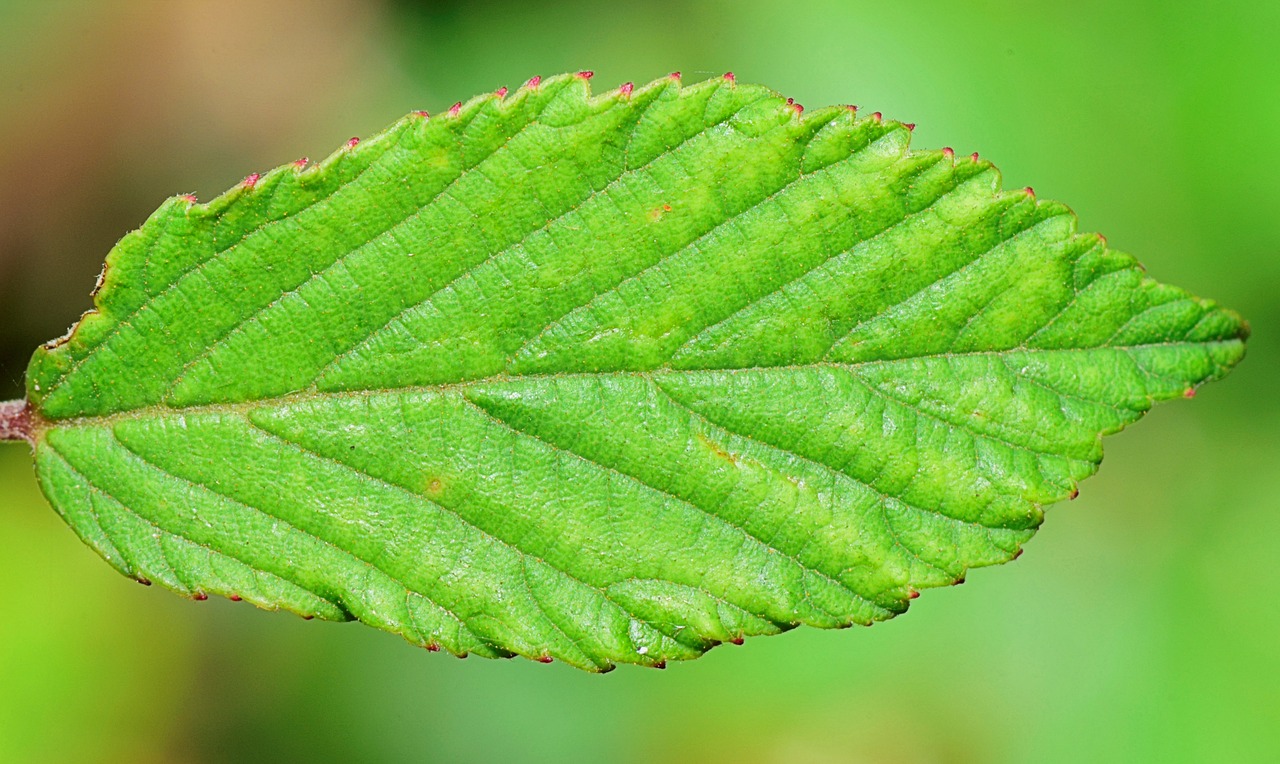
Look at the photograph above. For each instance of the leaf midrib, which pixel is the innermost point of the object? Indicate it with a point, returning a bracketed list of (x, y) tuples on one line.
[(44, 424)]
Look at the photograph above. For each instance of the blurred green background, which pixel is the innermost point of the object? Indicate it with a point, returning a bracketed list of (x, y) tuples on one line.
[(1140, 625)]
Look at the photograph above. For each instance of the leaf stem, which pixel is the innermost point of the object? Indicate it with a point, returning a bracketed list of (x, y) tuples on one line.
[(15, 421)]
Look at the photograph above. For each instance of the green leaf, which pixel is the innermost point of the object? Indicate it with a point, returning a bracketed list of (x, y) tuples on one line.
[(605, 379)]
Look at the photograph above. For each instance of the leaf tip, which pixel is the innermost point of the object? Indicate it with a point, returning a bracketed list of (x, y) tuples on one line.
[(586, 74), (251, 180), (730, 78), (877, 117), (626, 89), (456, 109), (501, 92), (1030, 192), (911, 126), (973, 157), (534, 82), (301, 163), (675, 76), (544, 659), (948, 152)]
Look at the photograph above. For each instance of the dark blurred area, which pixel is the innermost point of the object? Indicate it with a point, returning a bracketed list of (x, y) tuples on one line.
[(1138, 626)]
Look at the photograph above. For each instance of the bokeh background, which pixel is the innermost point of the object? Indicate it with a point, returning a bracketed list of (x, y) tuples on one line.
[(1141, 625)]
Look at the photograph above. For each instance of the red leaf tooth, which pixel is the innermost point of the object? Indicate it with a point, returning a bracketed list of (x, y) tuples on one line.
[(948, 152), (456, 109), (910, 126), (432, 647), (189, 198), (730, 77), (251, 180), (422, 113), (534, 82), (626, 89), (973, 157), (501, 92), (675, 76), (877, 116), (301, 162), (144, 581), (544, 659), (355, 141), (912, 594), (737, 640), (199, 596), (234, 597), (586, 74), (1029, 191), (797, 108), (1189, 393)]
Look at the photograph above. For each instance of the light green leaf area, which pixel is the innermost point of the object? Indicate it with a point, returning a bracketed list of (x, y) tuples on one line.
[(605, 379)]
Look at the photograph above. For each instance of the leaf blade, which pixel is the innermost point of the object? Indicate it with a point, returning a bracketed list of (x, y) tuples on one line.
[(608, 379)]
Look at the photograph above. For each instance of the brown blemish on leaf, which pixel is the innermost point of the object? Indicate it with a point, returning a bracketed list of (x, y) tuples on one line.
[(656, 213), (717, 450)]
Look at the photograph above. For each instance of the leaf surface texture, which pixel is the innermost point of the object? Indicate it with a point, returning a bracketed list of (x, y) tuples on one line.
[(605, 379)]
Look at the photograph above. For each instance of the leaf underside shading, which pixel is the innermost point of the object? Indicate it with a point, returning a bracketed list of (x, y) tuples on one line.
[(606, 379)]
